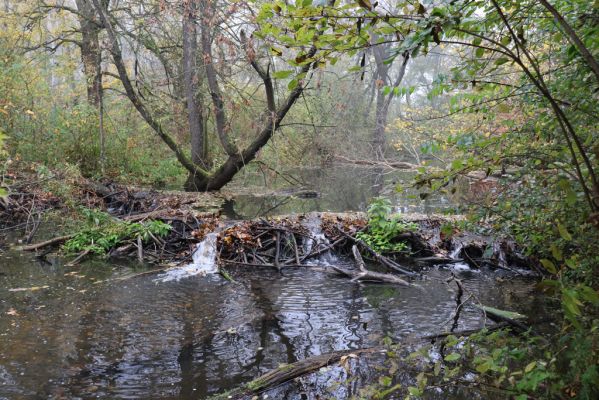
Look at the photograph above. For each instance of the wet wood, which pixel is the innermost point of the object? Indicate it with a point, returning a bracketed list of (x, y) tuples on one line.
[(364, 274), (288, 372), (379, 257), (78, 259), (51, 242)]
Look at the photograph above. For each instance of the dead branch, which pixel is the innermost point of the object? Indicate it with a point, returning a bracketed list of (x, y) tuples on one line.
[(288, 372), (379, 257), (390, 164), (50, 242), (366, 275)]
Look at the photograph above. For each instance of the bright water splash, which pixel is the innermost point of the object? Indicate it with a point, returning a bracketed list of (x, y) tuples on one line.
[(455, 255), (204, 261), (317, 241)]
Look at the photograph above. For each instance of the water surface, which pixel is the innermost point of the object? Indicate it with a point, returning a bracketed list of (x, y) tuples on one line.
[(186, 339)]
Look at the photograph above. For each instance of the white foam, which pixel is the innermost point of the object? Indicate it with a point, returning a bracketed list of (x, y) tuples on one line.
[(317, 241), (203, 261)]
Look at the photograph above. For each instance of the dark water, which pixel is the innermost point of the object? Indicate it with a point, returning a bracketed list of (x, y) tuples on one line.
[(141, 339), (81, 336)]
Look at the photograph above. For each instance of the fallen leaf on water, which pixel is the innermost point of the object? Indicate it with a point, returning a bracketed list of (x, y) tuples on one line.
[(344, 362), (25, 289)]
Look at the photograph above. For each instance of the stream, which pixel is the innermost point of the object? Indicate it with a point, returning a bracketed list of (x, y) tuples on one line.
[(80, 332)]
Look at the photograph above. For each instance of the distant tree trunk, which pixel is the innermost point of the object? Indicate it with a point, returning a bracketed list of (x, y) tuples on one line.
[(383, 101), (91, 54), (190, 82), (379, 141), (91, 57)]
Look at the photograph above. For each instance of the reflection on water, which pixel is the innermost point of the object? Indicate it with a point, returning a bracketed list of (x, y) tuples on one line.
[(186, 339), (340, 188), (189, 338)]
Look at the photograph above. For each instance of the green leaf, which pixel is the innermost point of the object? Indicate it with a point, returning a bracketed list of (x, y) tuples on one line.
[(563, 232), (501, 61), (572, 262), (282, 74), (530, 367), (589, 294), (414, 391), (549, 266), (556, 252), (506, 40), (292, 84), (452, 357), (385, 380)]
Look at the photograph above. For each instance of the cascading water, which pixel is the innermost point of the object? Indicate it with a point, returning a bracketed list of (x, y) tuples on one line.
[(317, 241), (455, 255), (203, 261)]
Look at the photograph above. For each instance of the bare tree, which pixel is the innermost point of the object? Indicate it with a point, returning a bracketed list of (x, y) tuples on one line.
[(266, 123)]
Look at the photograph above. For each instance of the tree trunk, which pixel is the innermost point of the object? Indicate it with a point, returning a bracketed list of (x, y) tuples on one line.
[(91, 54), (382, 78), (200, 179), (379, 140), (190, 83)]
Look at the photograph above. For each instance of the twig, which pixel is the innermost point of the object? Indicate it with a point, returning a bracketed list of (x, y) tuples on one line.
[(140, 250), (79, 258)]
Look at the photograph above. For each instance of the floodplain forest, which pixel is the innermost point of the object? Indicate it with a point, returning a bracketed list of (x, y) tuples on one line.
[(299, 199)]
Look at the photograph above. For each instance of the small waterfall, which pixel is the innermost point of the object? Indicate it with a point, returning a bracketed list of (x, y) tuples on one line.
[(203, 261), (455, 255), (317, 241)]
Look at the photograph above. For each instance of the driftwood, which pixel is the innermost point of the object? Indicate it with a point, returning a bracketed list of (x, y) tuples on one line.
[(50, 242), (366, 275), (80, 257), (518, 326), (384, 164), (285, 373), (288, 372), (437, 260)]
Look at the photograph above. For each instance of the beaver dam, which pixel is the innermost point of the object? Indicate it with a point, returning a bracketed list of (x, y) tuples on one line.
[(298, 306)]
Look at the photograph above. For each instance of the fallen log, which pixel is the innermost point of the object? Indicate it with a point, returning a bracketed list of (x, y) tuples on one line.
[(288, 372), (497, 316), (437, 260), (365, 274), (387, 164), (50, 242)]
